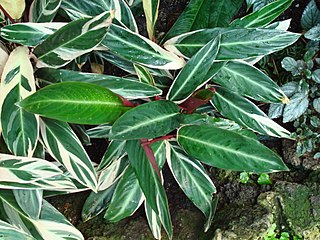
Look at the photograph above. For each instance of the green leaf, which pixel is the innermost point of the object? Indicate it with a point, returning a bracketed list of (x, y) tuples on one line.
[(150, 8), (43, 10), (245, 113), (228, 150), (149, 120), (127, 88), (194, 73), (29, 34), (313, 33), (248, 80), (9, 231), (235, 44), (126, 199), (64, 146), (150, 183), (193, 180), (82, 103), (310, 16), (139, 49), (101, 131), (113, 152), (72, 40), (31, 173), (264, 15), (316, 104), (144, 74), (296, 107), (20, 129), (153, 221), (30, 201), (264, 179)]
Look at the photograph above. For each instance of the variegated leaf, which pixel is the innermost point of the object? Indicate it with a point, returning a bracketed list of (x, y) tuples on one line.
[(73, 40), (30, 201), (114, 151), (19, 128), (150, 8), (10, 231), (14, 8), (4, 55), (144, 74), (63, 145), (43, 10), (153, 221)]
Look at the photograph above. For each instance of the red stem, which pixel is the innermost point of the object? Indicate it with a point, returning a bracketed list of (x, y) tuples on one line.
[(149, 152)]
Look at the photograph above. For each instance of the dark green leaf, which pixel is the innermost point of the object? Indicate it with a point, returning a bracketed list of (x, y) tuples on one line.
[(44, 10), (310, 16)]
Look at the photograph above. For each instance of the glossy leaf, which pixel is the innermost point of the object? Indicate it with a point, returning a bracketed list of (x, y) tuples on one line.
[(19, 128), (14, 8), (245, 113), (298, 104), (43, 10), (72, 40), (139, 49), (64, 146), (313, 33), (153, 221), (150, 183), (248, 80), (29, 34), (194, 73), (149, 120), (235, 44), (144, 74), (228, 150), (310, 16), (113, 152), (30, 201), (193, 180), (101, 131), (151, 8), (128, 193), (82, 103), (127, 88), (9, 231)]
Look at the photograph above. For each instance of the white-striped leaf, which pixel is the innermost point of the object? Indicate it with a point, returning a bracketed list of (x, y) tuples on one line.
[(29, 34), (149, 120), (101, 131), (193, 180), (114, 151), (14, 8), (4, 55), (127, 88), (153, 221), (10, 231), (150, 8), (245, 113), (73, 40), (43, 10), (194, 73), (126, 199), (30, 201), (19, 128), (228, 150), (247, 80), (138, 49), (235, 44), (144, 74), (31, 173), (63, 145)]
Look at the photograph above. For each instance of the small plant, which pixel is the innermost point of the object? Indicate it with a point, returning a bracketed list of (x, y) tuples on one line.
[(54, 93), (263, 179), (273, 235)]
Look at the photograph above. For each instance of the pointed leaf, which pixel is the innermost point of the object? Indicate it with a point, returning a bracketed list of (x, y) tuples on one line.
[(30, 201), (151, 8), (113, 152), (82, 103), (43, 10), (310, 16), (9, 231), (153, 221), (144, 74), (228, 150), (245, 113), (149, 120), (14, 8)]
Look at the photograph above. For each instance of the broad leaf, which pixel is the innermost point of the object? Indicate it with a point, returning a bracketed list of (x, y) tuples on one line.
[(139, 49), (150, 8), (64, 146), (193, 180), (113, 152), (245, 113), (82, 103), (43, 10), (247, 80), (72, 40), (29, 34), (19, 128), (228, 150), (235, 44), (14, 8), (150, 183), (310, 16), (30, 201), (101, 131), (126, 199), (10, 231), (313, 33), (298, 104), (127, 88), (149, 120), (153, 221), (194, 73)]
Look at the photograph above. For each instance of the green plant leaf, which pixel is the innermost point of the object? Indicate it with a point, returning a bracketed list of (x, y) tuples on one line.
[(64, 146), (127, 88), (245, 113), (149, 120), (248, 80), (310, 16), (297, 106), (20, 129), (144, 74), (8, 231), (153, 221), (316, 104), (82, 103), (193, 180), (139, 49), (150, 8), (43, 11), (72, 40), (30, 201), (150, 183), (101, 131), (128, 193), (113, 152), (264, 15), (313, 33), (194, 73), (228, 150), (235, 44)]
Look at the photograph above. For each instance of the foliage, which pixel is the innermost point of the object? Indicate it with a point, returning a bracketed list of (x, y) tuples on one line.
[(304, 88), (53, 90), (272, 234)]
